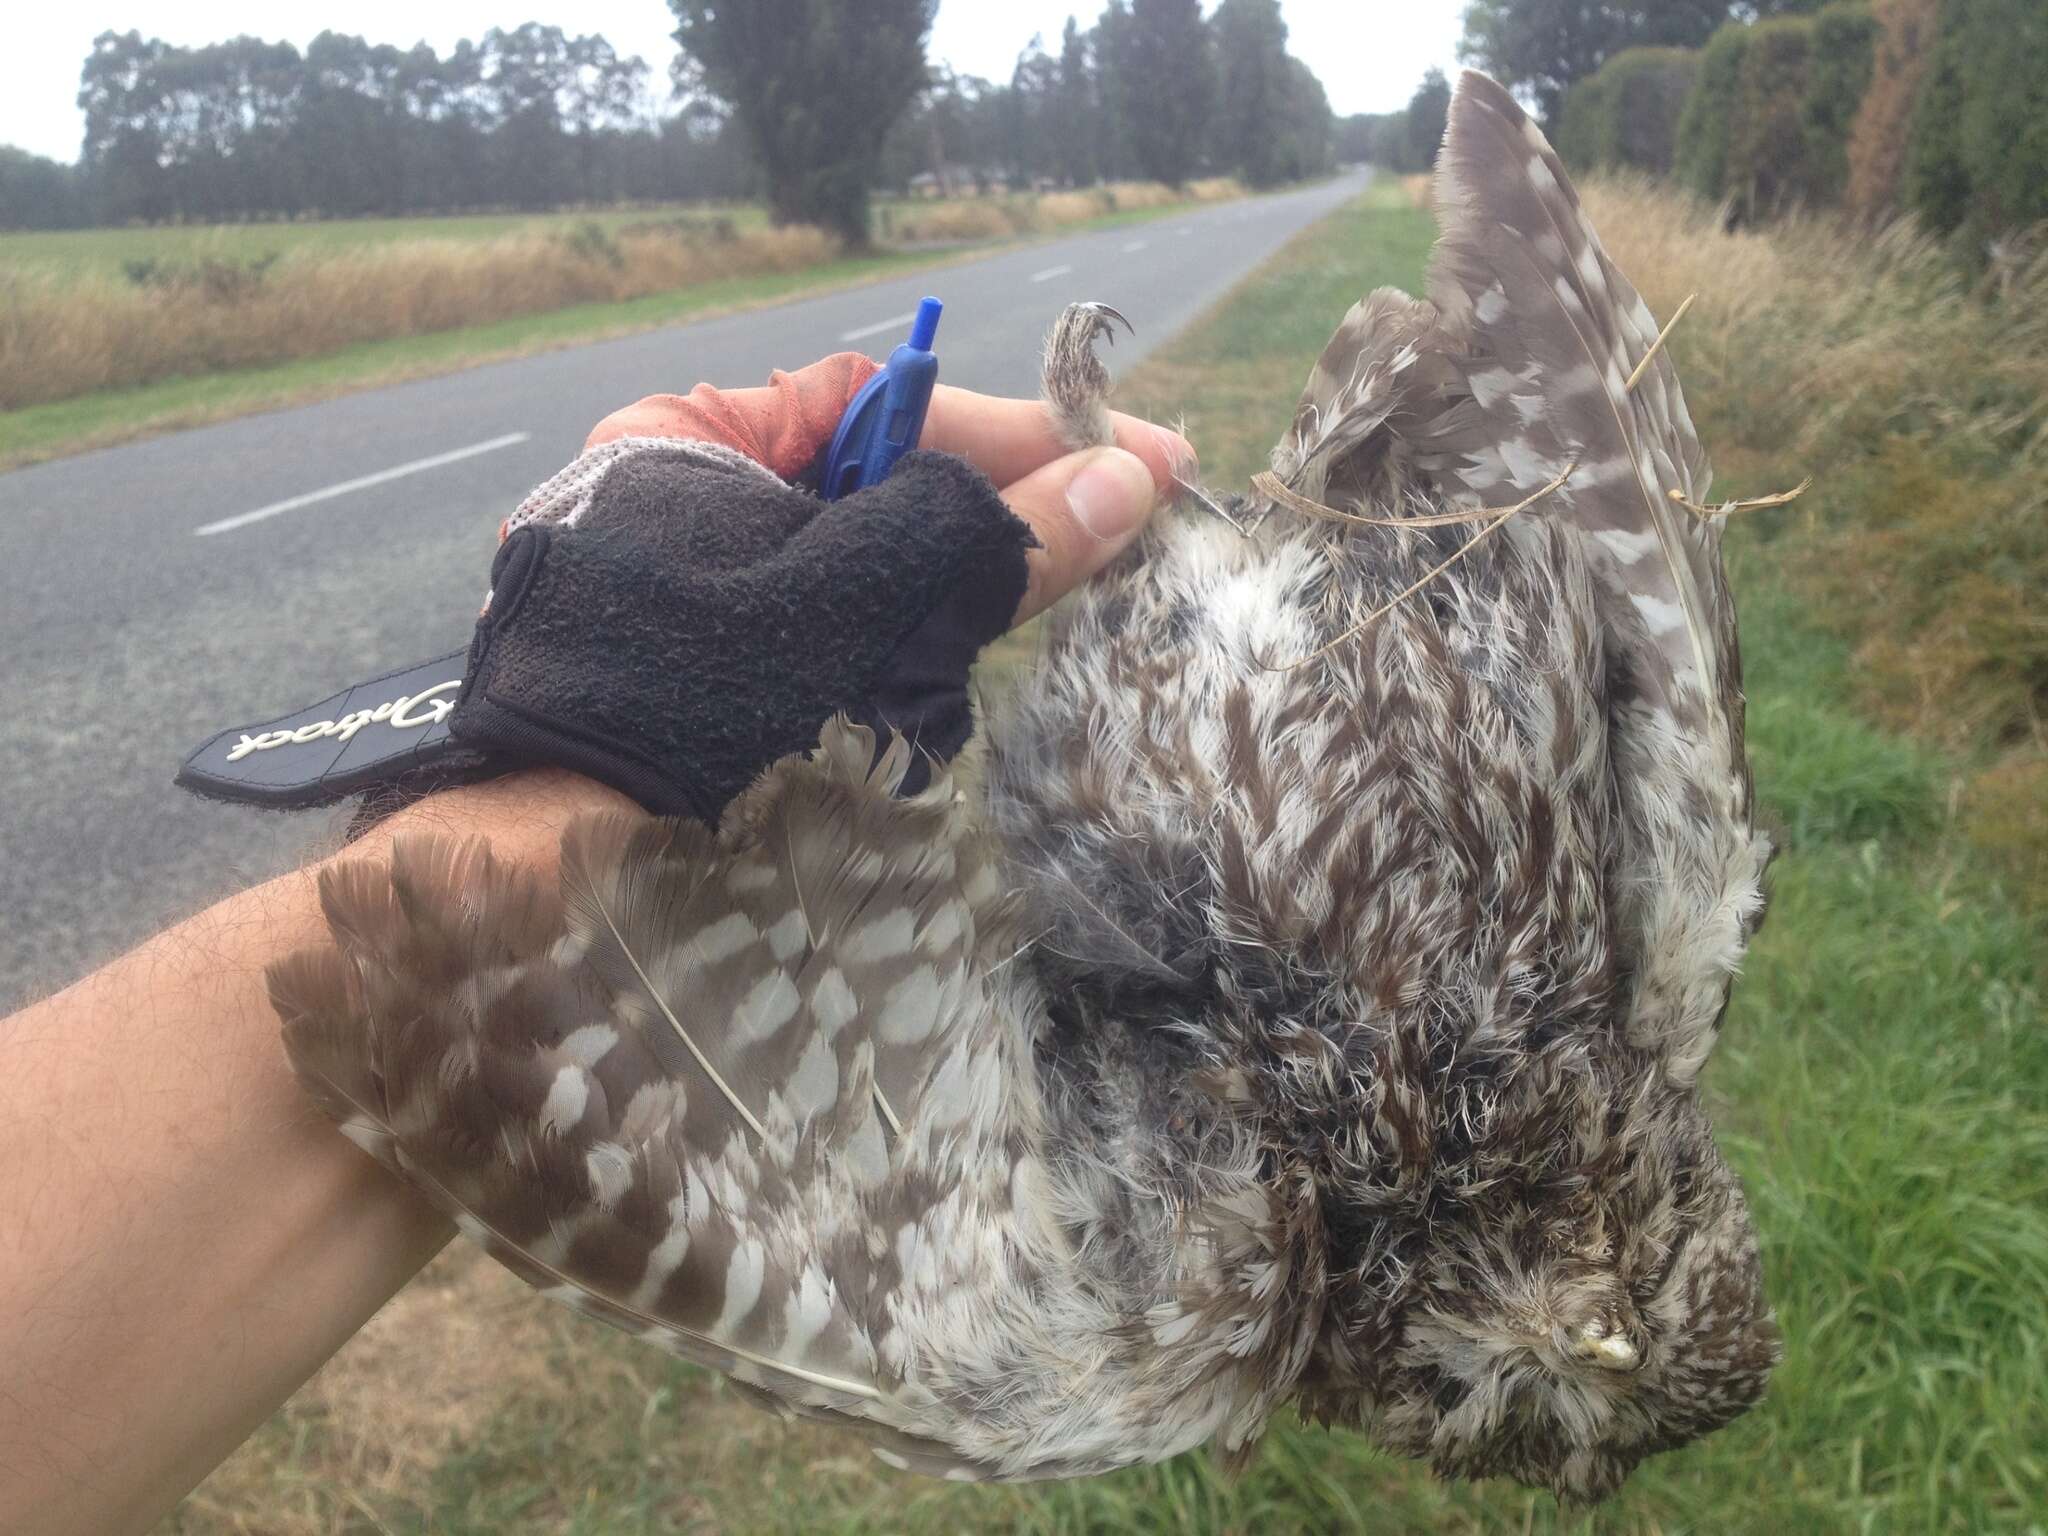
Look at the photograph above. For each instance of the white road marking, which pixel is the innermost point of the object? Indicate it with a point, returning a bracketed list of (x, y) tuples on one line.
[(1133, 245), (1185, 229), (293, 503), (1052, 272), (894, 322)]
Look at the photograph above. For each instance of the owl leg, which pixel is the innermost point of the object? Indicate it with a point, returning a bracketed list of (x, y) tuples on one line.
[(1075, 383), (1076, 388)]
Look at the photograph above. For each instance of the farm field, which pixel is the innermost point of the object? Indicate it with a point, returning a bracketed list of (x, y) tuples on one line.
[(111, 334), (103, 252), (1880, 1085)]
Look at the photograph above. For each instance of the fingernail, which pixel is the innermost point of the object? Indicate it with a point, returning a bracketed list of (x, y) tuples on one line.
[(1111, 494)]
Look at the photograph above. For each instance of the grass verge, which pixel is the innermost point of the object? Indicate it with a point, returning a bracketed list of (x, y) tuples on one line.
[(1880, 1087), (97, 420)]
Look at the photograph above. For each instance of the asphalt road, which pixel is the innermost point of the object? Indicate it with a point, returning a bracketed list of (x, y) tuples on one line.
[(126, 636)]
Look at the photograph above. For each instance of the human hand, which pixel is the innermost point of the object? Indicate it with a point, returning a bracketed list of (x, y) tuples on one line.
[(1083, 507)]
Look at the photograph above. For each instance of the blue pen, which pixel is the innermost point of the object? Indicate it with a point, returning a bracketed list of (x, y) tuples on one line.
[(884, 420)]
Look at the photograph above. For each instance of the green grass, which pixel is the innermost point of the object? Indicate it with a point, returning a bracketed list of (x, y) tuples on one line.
[(1880, 1086)]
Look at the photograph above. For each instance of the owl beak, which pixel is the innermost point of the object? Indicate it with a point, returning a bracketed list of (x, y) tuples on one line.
[(1611, 1351)]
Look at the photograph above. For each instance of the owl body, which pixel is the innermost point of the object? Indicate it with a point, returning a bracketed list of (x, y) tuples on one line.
[(1299, 994)]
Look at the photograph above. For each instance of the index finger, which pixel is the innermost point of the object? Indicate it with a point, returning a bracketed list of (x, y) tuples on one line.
[(1008, 439)]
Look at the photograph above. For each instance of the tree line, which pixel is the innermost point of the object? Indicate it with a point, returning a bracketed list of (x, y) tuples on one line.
[(1934, 106), (808, 103), (526, 118), (1937, 107)]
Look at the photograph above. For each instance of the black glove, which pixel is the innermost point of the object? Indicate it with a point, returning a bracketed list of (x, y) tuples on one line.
[(669, 617), (693, 619)]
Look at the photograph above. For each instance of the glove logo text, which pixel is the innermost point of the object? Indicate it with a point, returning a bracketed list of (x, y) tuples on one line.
[(407, 712)]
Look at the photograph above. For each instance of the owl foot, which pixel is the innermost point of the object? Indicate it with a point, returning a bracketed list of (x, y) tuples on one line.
[(1075, 383)]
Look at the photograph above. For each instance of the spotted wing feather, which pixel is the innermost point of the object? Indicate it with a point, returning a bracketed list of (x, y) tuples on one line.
[(660, 1094), (1551, 333), (1383, 374)]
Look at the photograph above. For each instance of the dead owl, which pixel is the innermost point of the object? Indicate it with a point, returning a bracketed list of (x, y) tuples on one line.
[(1302, 997)]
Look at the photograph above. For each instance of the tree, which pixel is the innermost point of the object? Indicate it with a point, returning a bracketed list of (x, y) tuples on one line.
[(1429, 110), (1768, 167), (817, 85), (121, 96), (1709, 117), (36, 193), (1165, 77), (1844, 37), (1877, 139), (1978, 162), (1077, 111), (1253, 89), (1543, 46), (1306, 130), (1027, 109), (1354, 138), (1626, 113)]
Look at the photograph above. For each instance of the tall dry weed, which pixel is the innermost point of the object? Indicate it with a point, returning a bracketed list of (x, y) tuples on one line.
[(61, 337), (986, 218), (1917, 397)]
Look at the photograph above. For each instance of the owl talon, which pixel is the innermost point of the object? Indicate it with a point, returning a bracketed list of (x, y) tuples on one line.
[(1075, 383), (1107, 319)]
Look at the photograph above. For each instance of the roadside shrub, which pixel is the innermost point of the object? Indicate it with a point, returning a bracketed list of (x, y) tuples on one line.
[(1978, 161), (591, 241), (1844, 39), (1626, 114), (1768, 165), (1904, 48), (220, 280), (1709, 116)]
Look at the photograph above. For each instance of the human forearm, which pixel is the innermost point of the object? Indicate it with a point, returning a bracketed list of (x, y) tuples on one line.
[(185, 1238)]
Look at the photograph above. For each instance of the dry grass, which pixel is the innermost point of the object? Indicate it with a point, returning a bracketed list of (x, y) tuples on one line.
[(70, 329), (987, 218), (437, 1364), (1919, 401), (62, 336)]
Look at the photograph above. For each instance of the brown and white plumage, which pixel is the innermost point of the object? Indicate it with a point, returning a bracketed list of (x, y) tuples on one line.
[(1230, 1028)]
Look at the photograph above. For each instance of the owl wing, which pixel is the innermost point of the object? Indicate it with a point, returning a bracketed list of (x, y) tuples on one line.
[(1385, 374), (1551, 334), (667, 1095), (1516, 370)]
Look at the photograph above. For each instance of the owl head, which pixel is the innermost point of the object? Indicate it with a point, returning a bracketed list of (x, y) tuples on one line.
[(1581, 1291)]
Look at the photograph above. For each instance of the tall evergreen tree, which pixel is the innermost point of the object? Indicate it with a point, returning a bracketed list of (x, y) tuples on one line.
[(1167, 86), (1429, 109), (817, 84), (1076, 126), (1250, 132), (1028, 108)]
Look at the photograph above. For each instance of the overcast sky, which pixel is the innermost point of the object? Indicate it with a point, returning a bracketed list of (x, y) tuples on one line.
[(1369, 54)]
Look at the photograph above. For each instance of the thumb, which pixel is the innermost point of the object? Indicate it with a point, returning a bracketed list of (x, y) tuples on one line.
[(1084, 508)]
